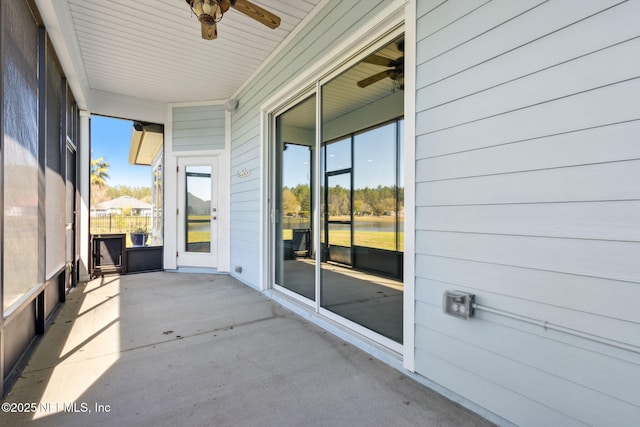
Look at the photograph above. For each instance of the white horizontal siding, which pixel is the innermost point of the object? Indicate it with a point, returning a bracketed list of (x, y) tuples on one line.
[(545, 25), (597, 107), (467, 23), (198, 128), (602, 181), (577, 148), (503, 365), (616, 260), (513, 61), (527, 194), (555, 294), (511, 405), (575, 220)]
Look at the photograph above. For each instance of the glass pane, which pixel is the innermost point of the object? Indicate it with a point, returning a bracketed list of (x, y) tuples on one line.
[(198, 209), (401, 185), (338, 155), (361, 269), (375, 191), (339, 210), (294, 266)]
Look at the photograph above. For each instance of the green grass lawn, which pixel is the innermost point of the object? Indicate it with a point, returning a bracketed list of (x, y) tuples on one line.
[(199, 236), (370, 239)]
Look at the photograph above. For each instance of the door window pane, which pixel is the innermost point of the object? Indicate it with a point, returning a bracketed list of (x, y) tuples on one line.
[(294, 266), (198, 209)]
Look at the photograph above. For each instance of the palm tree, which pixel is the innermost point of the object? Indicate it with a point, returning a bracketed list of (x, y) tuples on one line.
[(99, 175)]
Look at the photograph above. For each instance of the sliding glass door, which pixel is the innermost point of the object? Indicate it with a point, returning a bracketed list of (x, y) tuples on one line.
[(294, 150), (341, 169)]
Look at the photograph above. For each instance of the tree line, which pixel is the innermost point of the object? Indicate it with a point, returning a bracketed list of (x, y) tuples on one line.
[(101, 191), (382, 200)]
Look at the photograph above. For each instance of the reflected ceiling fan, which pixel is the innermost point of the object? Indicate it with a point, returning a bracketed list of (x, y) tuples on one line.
[(395, 71), (210, 12)]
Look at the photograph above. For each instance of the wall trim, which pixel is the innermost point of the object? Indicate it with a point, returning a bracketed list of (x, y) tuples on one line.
[(409, 314), (196, 103), (379, 26)]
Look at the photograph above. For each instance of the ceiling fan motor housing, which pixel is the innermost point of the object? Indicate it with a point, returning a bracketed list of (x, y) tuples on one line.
[(206, 19), (210, 12)]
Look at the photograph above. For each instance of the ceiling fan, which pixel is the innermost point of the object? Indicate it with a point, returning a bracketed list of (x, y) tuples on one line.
[(395, 71), (210, 12)]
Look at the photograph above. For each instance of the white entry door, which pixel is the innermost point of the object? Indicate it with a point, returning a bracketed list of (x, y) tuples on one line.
[(197, 212)]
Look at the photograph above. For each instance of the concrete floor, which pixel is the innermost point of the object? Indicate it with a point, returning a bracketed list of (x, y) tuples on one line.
[(167, 349), (372, 301)]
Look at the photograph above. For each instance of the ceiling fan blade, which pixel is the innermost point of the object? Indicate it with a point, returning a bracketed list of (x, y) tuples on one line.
[(256, 12), (209, 31), (372, 79), (379, 60)]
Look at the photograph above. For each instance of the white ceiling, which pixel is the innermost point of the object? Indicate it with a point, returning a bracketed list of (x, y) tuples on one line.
[(152, 49), (128, 58), (342, 95)]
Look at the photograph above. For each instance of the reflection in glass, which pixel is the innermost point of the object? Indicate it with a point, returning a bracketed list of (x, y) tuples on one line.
[(338, 216), (295, 133), (198, 209), (361, 268), (338, 155), (375, 191)]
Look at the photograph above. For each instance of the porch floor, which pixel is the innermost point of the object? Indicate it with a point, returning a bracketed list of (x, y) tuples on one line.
[(195, 349)]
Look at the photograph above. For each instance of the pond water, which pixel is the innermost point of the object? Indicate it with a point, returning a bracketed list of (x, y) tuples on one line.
[(360, 225)]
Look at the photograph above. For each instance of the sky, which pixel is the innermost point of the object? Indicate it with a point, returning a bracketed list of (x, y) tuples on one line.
[(374, 162), (110, 138)]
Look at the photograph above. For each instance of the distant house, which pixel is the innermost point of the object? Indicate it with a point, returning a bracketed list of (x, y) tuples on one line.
[(118, 205)]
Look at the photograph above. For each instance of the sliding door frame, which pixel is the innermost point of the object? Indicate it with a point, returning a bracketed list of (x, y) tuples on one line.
[(269, 125)]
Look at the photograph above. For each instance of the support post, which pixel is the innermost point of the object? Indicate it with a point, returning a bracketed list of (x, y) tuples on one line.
[(84, 184)]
